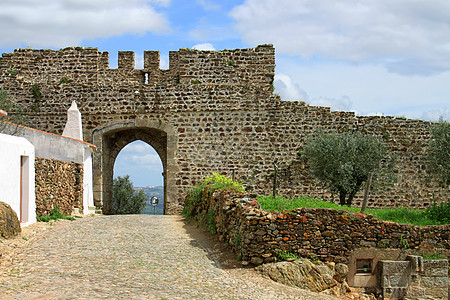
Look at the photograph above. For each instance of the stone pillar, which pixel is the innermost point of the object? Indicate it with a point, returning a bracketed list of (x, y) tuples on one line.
[(73, 128)]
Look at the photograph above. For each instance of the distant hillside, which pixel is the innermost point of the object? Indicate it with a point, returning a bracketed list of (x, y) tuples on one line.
[(151, 191)]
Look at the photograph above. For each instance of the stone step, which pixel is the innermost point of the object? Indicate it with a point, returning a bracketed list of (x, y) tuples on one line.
[(92, 210)]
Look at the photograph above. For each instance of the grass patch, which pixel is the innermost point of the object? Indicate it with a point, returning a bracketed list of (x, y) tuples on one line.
[(281, 204), (434, 256), (285, 255), (398, 215), (403, 215), (55, 214)]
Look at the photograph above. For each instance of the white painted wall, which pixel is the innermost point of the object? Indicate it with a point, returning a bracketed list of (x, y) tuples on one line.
[(88, 183), (15, 151)]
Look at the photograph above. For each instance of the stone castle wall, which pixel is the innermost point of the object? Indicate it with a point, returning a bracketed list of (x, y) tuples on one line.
[(58, 184), (221, 112)]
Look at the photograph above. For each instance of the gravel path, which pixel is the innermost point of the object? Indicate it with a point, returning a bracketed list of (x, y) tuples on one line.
[(131, 257)]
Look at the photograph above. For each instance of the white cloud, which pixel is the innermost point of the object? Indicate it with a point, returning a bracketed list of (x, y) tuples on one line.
[(407, 37), (287, 89), (427, 114), (205, 46), (434, 115), (60, 23)]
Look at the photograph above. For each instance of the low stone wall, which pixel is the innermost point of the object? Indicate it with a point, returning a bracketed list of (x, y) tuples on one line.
[(59, 184), (324, 234)]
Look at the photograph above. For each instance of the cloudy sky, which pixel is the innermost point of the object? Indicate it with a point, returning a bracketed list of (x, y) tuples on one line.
[(388, 57)]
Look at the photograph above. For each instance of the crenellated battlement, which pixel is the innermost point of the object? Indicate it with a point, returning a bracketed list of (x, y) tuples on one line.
[(255, 66)]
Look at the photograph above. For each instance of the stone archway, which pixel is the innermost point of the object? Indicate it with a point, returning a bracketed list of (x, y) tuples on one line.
[(112, 138)]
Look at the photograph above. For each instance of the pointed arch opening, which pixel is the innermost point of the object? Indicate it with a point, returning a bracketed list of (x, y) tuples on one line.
[(142, 163)]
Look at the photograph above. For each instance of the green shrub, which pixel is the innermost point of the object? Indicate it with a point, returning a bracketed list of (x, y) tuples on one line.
[(55, 214), (211, 221), (197, 199), (439, 213)]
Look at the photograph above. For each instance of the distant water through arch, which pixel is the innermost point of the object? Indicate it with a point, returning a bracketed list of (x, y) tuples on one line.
[(140, 160)]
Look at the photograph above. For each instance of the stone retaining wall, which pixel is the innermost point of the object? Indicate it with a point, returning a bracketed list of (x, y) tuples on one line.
[(324, 234), (59, 184)]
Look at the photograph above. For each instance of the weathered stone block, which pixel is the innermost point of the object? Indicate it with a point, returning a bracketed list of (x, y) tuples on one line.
[(9, 223), (399, 280)]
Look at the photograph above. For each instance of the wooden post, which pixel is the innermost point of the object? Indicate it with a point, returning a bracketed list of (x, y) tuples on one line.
[(275, 181), (366, 193)]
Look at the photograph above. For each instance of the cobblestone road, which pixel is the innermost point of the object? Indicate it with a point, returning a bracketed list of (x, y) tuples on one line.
[(131, 257)]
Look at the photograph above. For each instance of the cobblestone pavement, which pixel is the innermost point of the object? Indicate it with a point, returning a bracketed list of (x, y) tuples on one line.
[(131, 257)]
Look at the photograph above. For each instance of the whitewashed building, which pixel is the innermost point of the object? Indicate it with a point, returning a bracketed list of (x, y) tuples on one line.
[(17, 162), (17, 177)]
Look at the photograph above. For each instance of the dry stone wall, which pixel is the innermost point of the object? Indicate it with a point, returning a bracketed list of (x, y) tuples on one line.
[(58, 184), (222, 113), (324, 234)]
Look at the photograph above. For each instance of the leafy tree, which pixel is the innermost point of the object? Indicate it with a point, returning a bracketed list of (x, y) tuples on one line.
[(439, 153), (125, 199), (342, 162), (14, 113)]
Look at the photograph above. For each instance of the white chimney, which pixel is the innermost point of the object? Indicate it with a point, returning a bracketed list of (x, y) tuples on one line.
[(73, 128)]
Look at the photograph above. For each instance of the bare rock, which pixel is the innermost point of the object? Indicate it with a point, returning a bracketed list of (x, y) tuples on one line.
[(341, 272), (301, 273), (9, 223)]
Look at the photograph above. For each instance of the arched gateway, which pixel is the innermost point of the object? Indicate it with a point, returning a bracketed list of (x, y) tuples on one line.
[(114, 137)]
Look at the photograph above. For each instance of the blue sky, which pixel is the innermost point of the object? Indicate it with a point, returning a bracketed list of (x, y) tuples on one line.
[(371, 57)]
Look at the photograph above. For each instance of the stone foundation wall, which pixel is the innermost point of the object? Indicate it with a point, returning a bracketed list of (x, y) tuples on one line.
[(58, 184), (435, 278), (324, 234), (406, 279)]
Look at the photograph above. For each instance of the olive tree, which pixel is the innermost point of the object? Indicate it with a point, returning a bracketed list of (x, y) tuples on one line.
[(125, 199), (343, 161), (439, 151)]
